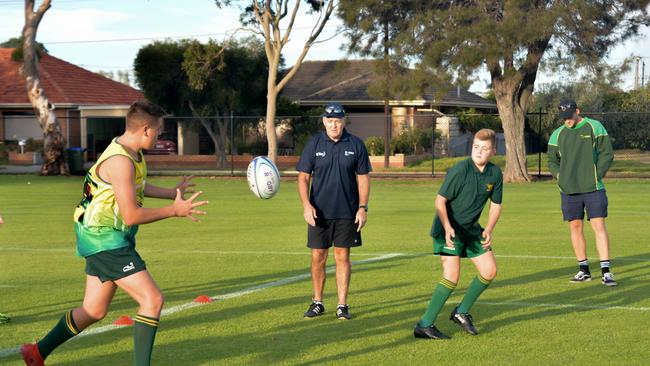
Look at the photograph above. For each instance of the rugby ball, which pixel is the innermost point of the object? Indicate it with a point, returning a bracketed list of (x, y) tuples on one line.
[(263, 177)]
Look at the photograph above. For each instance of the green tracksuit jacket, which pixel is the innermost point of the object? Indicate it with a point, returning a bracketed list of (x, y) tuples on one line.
[(579, 157)]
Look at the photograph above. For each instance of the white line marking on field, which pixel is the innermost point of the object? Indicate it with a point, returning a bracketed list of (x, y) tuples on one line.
[(9, 351), (175, 309), (307, 253), (575, 306), (565, 257)]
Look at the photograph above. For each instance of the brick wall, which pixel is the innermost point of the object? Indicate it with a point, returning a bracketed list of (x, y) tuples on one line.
[(242, 161)]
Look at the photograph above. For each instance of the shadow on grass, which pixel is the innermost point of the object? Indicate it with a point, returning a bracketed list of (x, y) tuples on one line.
[(588, 297), (298, 341), (287, 341)]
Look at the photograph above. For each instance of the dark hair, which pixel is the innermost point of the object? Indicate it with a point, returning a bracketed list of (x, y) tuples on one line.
[(143, 113)]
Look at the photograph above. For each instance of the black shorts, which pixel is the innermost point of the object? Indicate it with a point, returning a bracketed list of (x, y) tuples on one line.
[(342, 233), (574, 205), (111, 265)]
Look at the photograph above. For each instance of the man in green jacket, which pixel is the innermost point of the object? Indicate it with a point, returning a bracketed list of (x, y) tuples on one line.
[(579, 154)]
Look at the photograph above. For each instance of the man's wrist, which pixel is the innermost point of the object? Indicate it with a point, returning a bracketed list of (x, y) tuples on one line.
[(364, 207)]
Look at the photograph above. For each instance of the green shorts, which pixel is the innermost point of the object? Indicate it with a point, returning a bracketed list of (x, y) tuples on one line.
[(462, 248), (111, 265)]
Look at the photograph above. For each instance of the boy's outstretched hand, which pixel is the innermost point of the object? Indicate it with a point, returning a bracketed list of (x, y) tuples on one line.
[(186, 208), (184, 184)]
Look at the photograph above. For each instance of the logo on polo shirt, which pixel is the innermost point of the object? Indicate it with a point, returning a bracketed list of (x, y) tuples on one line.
[(489, 187), (348, 153), (321, 153), (585, 136)]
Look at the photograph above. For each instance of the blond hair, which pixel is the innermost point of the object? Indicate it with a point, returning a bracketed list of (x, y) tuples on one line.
[(486, 134)]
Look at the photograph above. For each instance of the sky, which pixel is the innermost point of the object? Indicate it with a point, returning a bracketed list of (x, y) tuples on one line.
[(106, 35)]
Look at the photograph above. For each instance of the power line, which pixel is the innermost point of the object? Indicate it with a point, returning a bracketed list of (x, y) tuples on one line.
[(22, 2), (159, 37), (132, 39)]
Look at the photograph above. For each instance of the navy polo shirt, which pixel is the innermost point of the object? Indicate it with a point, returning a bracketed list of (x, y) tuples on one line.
[(334, 167)]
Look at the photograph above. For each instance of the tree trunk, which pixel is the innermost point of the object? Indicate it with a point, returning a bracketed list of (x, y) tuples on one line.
[(220, 146), (513, 120), (271, 106), (218, 139), (53, 144)]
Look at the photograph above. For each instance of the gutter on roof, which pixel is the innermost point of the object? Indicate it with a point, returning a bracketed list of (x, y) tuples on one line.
[(398, 103), (68, 106), (28, 105), (108, 106)]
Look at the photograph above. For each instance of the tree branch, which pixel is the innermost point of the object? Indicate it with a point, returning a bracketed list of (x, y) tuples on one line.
[(284, 9), (327, 39), (528, 71), (263, 21), (291, 22), (306, 47), (205, 123), (321, 24), (495, 68), (508, 62)]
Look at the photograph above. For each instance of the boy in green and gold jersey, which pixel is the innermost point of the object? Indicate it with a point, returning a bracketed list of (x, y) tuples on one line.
[(456, 232), (106, 222), (579, 155)]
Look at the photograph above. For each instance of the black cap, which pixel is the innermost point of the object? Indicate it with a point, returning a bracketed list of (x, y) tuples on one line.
[(334, 110), (566, 109)]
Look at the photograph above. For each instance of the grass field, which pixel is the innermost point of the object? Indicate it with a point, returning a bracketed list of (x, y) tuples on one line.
[(531, 315)]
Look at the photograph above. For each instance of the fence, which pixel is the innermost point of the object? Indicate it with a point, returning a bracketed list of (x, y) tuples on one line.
[(229, 142)]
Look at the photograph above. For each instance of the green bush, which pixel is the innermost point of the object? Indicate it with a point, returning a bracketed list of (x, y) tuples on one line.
[(375, 145), (413, 141), (259, 147), (472, 121), (34, 145)]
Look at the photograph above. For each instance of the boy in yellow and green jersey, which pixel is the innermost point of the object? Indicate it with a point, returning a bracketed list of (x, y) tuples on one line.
[(579, 155), (106, 222)]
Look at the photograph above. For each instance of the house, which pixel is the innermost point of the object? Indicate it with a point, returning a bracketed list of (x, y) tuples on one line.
[(347, 81), (90, 107)]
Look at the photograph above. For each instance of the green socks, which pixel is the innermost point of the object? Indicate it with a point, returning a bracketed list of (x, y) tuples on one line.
[(62, 331), (144, 333), (476, 288), (438, 299)]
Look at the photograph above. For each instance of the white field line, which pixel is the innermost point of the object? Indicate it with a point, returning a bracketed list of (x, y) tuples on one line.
[(573, 306), (178, 308), (307, 253)]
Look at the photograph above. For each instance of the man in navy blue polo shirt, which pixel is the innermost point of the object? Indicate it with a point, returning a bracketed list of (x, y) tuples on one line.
[(336, 207)]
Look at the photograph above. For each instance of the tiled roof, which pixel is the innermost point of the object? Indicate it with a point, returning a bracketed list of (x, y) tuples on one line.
[(348, 81), (63, 82)]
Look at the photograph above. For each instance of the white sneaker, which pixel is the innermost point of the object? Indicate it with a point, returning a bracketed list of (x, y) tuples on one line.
[(608, 280), (581, 276)]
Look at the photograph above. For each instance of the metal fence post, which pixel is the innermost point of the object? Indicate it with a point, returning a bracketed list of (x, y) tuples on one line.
[(433, 145), (232, 145), (539, 148)]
